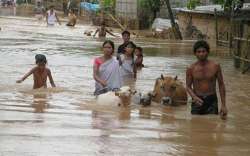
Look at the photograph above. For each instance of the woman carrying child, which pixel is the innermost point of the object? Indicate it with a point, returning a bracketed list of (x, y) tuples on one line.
[(127, 63)]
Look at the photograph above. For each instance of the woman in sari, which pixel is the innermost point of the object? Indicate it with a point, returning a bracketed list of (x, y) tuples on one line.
[(106, 70)]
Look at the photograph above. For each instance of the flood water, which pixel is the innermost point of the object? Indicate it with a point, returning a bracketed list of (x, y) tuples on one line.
[(66, 121)]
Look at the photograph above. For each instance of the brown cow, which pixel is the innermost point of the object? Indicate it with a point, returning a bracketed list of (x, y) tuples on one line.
[(169, 91)]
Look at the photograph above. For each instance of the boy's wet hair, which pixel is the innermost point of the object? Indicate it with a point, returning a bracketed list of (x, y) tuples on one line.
[(125, 32), (40, 58), (201, 44)]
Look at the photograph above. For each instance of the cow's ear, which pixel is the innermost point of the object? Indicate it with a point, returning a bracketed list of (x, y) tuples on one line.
[(151, 94), (162, 77), (176, 77)]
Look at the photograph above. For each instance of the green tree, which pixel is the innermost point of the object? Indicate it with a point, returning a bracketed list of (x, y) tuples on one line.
[(109, 3), (227, 4), (152, 5), (191, 4)]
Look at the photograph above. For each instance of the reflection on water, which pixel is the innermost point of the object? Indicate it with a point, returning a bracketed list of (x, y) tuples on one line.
[(67, 121), (40, 103)]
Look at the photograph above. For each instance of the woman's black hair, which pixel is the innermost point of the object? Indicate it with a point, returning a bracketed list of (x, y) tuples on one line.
[(201, 44), (109, 42), (40, 58), (130, 43)]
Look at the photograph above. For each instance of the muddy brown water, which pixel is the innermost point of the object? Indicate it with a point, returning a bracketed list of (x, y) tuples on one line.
[(66, 121)]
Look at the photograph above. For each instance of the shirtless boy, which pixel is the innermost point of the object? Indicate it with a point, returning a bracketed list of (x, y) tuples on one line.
[(40, 73), (102, 31)]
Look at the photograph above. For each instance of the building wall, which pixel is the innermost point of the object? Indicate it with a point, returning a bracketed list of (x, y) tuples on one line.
[(127, 14), (126, 9), (204, 24)]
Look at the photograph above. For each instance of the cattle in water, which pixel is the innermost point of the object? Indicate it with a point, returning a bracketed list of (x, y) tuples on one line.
[(169, 91), (118, 98)]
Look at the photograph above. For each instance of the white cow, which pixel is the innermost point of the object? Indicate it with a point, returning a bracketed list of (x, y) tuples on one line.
[(119, 98)]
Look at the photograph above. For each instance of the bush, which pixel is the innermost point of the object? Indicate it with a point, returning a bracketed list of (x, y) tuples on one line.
[(192, 4)]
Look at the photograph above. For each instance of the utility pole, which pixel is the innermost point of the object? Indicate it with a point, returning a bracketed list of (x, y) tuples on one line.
[(177, 32)]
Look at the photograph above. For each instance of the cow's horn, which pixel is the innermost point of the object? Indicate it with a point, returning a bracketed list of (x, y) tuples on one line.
[(176, 77), (162, 77)]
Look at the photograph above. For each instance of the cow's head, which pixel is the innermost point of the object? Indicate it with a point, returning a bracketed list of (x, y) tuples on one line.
[(166, 88), (125, 94), (146, 99)]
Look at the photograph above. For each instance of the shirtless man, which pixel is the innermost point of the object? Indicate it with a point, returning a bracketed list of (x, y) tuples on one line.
[(39, 11), (40, 73), (72, 18), (103, 31), (51, 17), (201, 80)]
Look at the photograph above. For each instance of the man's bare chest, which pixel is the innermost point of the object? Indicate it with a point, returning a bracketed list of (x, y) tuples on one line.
[(204, 73)]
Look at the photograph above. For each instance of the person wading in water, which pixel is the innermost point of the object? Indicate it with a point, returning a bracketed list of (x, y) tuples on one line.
[(51, 17), (102, 31), (201, 80)]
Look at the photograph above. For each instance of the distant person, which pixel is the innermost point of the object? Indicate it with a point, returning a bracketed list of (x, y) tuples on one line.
[(39, 11), (51, 17), (14, 7), (40, 73), (65, 4), (9, 3), (126, 40), (106, 70), (127, 63), (201, 78), (72, 18), (139, 58), (69, 5), (102, 31)]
